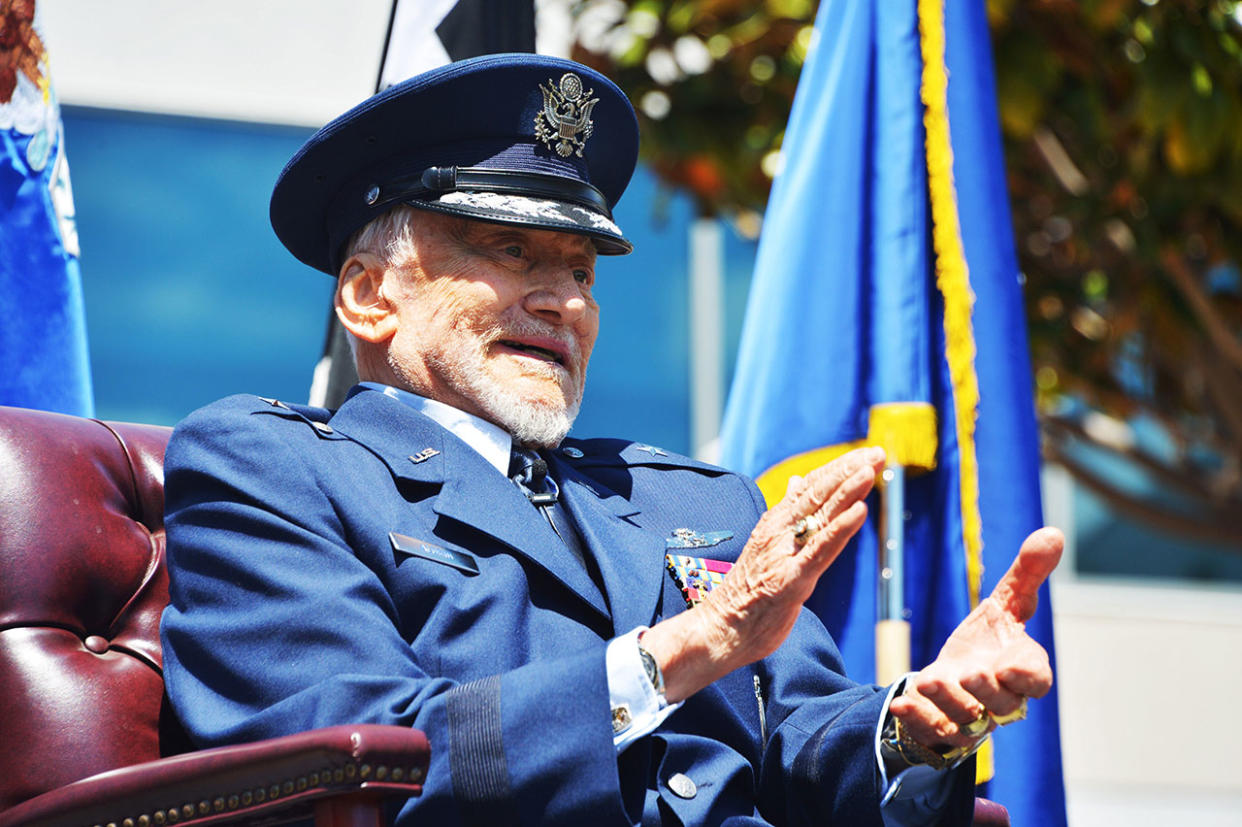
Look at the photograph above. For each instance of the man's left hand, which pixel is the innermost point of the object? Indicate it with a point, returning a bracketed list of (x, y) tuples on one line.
[(989, 666)]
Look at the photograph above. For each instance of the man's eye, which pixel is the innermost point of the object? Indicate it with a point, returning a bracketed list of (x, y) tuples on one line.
[(513, 250), (582, 276)]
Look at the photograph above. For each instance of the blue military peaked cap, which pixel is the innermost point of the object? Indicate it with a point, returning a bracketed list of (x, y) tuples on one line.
[(518, 139)]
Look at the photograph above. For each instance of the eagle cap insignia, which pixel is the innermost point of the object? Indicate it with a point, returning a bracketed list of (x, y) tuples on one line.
[(564, 123)]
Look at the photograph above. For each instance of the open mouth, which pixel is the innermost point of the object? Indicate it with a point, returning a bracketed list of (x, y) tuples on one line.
[(535, 351)]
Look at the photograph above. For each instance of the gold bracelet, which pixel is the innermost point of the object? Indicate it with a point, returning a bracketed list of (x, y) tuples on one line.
[(912, 752)]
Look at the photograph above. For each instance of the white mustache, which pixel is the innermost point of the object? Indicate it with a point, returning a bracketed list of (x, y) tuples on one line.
[(533, 328)]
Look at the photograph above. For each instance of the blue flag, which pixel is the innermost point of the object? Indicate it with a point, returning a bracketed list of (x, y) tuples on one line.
[(886, 309), (43, 357)]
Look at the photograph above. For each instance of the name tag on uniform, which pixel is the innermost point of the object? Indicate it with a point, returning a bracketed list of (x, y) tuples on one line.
[(401, 544)]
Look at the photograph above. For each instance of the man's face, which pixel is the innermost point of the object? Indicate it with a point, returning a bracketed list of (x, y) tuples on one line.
[(498, 321)]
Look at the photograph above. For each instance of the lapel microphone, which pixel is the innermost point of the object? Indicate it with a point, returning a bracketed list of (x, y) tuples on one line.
[(539, 480), (530, 472)]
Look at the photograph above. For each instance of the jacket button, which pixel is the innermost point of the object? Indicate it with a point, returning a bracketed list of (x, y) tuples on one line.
[(682, 786)]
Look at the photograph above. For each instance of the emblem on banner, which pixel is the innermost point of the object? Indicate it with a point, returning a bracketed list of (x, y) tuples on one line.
[(565, 123)]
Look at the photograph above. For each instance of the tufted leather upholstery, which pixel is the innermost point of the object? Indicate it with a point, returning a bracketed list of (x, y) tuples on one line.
[(82, 585)]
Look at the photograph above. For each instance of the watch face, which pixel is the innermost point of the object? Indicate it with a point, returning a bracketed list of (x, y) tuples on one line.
[(652, 669)]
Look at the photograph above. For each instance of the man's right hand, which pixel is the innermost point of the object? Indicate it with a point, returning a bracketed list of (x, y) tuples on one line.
[(751, 612)]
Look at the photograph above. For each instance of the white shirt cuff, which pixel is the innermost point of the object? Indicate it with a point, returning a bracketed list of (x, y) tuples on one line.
[(636, 708), (916, 794)]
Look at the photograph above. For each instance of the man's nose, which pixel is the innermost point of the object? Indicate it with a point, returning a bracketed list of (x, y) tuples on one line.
[(557, 298)]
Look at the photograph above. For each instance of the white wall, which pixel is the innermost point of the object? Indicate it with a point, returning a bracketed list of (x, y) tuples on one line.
[(279, 61), (1148, 677)]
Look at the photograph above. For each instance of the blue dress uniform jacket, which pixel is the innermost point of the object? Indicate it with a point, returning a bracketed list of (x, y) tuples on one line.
[(291, 608)]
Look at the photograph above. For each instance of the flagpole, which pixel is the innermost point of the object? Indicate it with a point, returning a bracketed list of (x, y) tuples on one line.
[(706, 324), (892, 630)]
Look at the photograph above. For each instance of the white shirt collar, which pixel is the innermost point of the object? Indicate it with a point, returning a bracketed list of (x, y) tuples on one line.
[(491, 441)]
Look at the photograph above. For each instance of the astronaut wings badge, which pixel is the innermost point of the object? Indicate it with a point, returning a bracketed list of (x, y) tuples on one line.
[(565, 122)]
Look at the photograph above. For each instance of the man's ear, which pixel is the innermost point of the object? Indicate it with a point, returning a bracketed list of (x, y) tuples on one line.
[(360, 301)]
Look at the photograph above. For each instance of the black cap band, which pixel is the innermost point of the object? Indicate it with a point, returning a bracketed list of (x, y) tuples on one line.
[(437, 180)]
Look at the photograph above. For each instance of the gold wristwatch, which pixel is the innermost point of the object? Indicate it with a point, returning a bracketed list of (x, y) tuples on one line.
[(896, 744)]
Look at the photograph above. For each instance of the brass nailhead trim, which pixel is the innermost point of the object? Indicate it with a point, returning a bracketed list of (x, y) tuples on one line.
[(398, 774), (260, 794), (416, 774)]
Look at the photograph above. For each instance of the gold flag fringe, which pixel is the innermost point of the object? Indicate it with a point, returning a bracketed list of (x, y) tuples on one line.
[(953, 281)]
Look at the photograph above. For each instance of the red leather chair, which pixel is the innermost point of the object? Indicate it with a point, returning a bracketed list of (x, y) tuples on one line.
[(88, 738), (86, 732)]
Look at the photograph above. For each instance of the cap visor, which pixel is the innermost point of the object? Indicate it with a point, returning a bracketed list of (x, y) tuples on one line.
[(540, 213)]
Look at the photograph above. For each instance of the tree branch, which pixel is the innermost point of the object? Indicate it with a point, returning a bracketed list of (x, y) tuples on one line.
[(1215, 527), (1189, 484), (1199, 302)]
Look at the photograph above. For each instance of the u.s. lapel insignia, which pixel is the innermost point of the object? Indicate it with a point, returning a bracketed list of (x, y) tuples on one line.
[(564, 123), (696, 576), (650, 449), (689, 538), (423, 455)]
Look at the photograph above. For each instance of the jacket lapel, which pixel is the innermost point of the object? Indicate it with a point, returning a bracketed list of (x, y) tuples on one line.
[(630, 557), (472, 491)]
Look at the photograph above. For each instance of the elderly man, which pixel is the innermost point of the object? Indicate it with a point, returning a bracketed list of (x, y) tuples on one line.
[(436, 553)]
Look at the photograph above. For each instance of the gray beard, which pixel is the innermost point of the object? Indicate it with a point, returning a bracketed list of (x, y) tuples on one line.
[(531, 425)]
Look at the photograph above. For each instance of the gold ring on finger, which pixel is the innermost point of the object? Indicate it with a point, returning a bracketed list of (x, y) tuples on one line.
[(978, 726), (805, 527), (1017, 715)]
